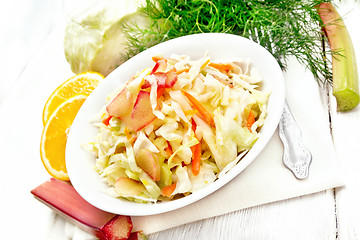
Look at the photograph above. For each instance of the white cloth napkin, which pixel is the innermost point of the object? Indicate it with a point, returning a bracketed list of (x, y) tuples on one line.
[(265, 180)]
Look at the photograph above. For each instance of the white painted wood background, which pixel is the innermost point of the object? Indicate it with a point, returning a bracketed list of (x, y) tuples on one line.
[(331, 214)]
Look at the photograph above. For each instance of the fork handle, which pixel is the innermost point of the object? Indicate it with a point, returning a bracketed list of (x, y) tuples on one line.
[(295, 157)]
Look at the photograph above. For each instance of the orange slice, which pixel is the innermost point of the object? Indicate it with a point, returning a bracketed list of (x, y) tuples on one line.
[(54, 136), (83, 83)]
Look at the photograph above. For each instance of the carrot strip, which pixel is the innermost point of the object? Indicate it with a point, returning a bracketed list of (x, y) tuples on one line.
[(208, 117), (133, 140), (157, 58), (196, 152), (178, 72), (251, 120), (222, 67), (160, 92), (127, 133), (168, 149), (193, 125), (168, 190), (106, 120), (190, 112), (196, 159), (205, 63)]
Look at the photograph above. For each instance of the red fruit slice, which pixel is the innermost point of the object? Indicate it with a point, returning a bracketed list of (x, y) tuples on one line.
[(160, 66), (142, 113), (62, 198), (149, 163), (161, 79), (127, 187), (171, 79), (164, 80), (122, 104)]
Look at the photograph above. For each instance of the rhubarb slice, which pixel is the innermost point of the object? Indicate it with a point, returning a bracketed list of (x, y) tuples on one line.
[(345, 74), (137, 236), (62, 198)]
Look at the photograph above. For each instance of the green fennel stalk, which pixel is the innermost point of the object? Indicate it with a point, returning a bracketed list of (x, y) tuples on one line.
[(284, 27)]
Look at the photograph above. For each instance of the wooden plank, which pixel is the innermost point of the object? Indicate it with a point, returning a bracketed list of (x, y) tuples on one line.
[(346, 135), (306, 217)]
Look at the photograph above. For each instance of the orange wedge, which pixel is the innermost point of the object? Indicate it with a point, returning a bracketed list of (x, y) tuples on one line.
[(83, 83), (54, 136)]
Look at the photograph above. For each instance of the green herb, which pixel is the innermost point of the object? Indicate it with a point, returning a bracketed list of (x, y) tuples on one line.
[(284, 27)]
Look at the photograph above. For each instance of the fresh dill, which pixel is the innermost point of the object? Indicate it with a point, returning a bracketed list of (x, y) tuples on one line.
[(284, 27)]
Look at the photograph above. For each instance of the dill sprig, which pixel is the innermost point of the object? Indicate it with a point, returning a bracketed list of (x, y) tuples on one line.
[(284, 27)]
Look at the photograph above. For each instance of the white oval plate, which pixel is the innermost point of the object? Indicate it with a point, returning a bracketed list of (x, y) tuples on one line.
[(80, 164)]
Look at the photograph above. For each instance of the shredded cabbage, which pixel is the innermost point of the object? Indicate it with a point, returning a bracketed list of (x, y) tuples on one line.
[(217, 123)]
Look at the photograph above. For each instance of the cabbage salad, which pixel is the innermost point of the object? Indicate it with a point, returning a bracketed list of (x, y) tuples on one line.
[(177, 126)]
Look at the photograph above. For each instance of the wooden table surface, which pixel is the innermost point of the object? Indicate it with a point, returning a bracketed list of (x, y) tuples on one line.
[(330, 214)]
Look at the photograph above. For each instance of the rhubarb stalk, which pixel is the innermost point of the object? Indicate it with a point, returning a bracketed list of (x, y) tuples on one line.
[(62, 198), (344, 68)]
